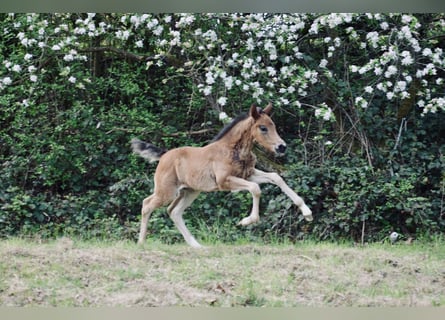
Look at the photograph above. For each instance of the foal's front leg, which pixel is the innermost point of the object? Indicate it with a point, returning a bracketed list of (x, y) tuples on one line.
[(235, 184), (272, 177)]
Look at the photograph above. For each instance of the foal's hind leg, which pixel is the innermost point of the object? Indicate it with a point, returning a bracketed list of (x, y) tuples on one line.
[(148, 206), (176, 210)]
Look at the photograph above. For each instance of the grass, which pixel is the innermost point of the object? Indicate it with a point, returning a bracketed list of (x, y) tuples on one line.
[(67, 272)]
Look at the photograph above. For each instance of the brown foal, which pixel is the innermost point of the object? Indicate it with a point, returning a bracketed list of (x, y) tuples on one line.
[(226, 164)]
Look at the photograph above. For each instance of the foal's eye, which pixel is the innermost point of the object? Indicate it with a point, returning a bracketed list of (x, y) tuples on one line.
[(263, 129)]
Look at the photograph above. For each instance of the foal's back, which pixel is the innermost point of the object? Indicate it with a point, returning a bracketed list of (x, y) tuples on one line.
[(188, 167)]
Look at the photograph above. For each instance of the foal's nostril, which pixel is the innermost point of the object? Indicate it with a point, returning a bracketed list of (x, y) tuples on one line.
[(281, 148)]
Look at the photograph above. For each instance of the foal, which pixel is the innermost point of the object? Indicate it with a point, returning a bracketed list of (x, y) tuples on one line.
[(226, 164)]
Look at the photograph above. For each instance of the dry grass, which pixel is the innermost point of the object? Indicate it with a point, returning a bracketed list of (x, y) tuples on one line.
[(71, 273)]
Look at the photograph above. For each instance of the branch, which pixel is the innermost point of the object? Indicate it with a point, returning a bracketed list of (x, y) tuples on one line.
[(120, 52), (174, 134), (167, 58), (190, 133)]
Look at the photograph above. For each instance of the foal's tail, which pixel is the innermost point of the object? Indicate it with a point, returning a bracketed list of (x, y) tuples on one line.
[(147, 150)]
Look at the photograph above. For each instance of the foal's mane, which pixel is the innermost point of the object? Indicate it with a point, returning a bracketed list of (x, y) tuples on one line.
[(232, 124)]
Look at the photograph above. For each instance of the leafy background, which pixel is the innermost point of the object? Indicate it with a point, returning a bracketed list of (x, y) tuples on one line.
[(359, 98)]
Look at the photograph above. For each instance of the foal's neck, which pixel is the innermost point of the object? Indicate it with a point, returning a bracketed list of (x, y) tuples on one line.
[(240, 138)]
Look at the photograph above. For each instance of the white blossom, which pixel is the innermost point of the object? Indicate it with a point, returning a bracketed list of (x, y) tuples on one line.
[(380, 86), (80, 30), (228, 82), (400, 86), (209, 78), (434, 105), (16, 68), (407, 59), (404, 95), (135, 20), (7, 81), (369, 89), (364, 69), (373, 38), (324, 112), (427, 52), (361, 102), (223, 117), (158, 30), (390, 95), (123, 35), (222, 101), (271, 71), (284, 101), (68, 57), (406, 19), (392, 70), (210, 35), (384, 25), (207, 90), (250, 44)]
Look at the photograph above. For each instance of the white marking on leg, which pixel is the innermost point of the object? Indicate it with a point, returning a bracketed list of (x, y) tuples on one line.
[(184, 200), (148, 206), (273, 178)]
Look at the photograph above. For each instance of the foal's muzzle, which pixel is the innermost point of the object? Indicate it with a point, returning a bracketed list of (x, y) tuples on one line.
[(280, 149)]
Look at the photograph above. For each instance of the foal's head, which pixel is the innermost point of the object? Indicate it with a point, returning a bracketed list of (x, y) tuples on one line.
[(264, 131)]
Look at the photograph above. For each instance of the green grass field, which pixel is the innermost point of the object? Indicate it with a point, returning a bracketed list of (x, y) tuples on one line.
[(78, 273)]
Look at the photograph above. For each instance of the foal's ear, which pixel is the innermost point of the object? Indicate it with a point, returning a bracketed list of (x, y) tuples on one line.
[(268, 109), (254, 112)]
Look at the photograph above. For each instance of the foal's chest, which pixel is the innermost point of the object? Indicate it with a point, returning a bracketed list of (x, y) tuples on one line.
[(243, 167)]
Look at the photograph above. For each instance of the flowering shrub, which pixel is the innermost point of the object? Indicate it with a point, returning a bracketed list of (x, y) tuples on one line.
[(74, 86), (262, 57)]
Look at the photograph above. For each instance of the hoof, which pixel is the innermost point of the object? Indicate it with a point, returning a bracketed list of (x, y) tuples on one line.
[(246, 221), (307, 213)]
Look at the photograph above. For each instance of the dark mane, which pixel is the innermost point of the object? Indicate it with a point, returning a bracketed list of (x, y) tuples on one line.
[(230, 126)]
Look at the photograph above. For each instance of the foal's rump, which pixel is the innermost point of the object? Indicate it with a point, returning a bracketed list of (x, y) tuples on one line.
[(184, 167)]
